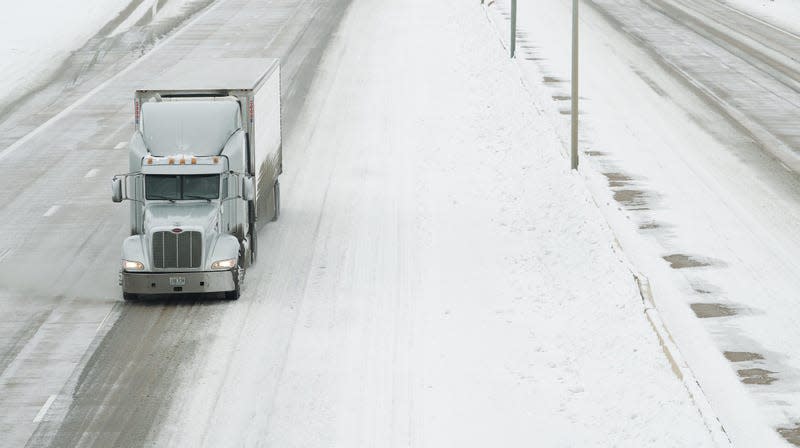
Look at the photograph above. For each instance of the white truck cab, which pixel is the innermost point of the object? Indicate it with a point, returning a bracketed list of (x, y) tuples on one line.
[(205, 159)]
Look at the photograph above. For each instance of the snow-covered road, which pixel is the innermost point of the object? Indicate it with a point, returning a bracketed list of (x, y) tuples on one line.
[(53, 52), (437, 277), (59, 237), (690, 138)]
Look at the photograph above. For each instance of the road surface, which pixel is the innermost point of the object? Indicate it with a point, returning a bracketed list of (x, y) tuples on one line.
[(59, 238), (437, 278)]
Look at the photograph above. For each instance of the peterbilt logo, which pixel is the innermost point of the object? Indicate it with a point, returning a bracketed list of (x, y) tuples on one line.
[(177, 230)]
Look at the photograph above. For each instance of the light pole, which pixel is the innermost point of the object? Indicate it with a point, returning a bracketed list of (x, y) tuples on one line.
[(574, 139), (513, 27)]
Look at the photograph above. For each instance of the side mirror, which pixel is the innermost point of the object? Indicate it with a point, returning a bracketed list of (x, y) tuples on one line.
[(248, 188), (116, 189)]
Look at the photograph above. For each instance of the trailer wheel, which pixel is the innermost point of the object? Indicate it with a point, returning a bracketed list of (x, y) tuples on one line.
[(276, 189), (252, 233)]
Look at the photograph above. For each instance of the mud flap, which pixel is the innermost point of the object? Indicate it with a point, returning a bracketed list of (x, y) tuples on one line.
[(276, 200), (253, 232)]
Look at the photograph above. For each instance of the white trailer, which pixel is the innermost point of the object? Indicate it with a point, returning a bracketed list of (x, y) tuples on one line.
[(205, 159)]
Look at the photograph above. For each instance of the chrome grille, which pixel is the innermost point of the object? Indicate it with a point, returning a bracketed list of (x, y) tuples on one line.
[(177, 250)]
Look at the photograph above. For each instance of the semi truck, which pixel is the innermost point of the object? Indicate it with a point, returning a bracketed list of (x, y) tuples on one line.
[(204, 162)]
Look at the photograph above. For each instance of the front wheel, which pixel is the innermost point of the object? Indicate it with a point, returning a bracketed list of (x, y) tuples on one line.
[(232, 295), (127, 296)]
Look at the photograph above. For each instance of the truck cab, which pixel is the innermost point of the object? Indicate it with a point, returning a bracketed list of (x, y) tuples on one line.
[(203, 175)]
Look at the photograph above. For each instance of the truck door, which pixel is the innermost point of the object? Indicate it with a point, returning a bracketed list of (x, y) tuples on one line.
[(134, 189)]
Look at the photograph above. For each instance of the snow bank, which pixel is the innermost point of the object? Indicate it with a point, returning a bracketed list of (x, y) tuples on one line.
[(535, 333)]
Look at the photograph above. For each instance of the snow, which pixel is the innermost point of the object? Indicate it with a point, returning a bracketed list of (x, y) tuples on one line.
[(674, 177), (36, 36), (157, 10), (438, 276), (784, 14)]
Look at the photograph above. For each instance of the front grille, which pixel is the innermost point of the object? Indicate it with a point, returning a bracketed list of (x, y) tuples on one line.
[(177, 250)]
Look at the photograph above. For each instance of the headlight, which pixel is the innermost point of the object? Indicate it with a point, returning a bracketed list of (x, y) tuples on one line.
[(224, 264), (132, 265)]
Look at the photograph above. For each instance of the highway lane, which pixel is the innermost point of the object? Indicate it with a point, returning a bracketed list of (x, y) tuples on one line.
[(774, 50), (745, 68), (63, 328), (100, 58)]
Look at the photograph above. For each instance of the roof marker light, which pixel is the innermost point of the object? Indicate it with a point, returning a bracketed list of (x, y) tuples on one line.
[(149, 160), (183, 162), (216, 159), (171, 161), (194, 161)]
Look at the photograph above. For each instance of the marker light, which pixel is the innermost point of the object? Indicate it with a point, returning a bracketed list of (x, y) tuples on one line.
[(194, 161), (171, 161), (216, 159), (132, 265), (224, 264), (183, 162), (149, 160)]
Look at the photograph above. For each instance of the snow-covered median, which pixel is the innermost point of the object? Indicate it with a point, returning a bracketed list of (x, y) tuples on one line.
[(535, 334)]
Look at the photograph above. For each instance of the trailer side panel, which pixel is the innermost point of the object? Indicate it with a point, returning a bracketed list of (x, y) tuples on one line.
[(265, 129)]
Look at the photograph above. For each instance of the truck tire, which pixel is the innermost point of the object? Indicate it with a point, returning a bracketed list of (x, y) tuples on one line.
[(126, 296), (277, 193), (232, 295), (252, 233)]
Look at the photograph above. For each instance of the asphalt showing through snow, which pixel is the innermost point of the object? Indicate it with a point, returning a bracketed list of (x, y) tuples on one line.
[(77, 366), (745, 68)]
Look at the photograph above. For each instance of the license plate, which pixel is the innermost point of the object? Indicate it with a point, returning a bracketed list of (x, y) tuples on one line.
[(177, 281)]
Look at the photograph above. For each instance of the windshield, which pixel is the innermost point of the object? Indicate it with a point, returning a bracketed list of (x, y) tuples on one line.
[(175, 188)]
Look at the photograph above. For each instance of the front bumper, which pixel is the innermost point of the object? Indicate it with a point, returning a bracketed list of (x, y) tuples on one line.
[(179, 282)]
